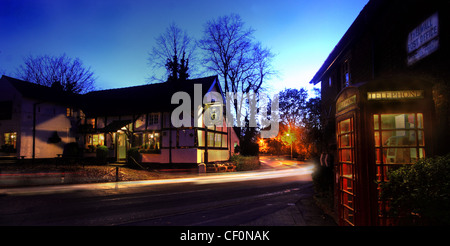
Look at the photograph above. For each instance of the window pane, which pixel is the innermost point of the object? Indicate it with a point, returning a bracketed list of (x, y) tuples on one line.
[(347, 170), (347, 199), (346, 155), (421, 138), (345, 126), (399, 155), (397, 121), (90, 121), (210, 139), (10, 140), (420, 121), (95, 139), (376, 122), (218, 140), (152, 140), (346, 140), (399, 138), (347, 185), (201, 138), (421, 153)]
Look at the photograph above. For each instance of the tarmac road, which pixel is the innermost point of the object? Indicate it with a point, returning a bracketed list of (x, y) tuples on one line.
[(275, 195)]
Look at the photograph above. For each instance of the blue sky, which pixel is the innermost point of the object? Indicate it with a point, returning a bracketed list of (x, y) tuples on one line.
[(114, 37)]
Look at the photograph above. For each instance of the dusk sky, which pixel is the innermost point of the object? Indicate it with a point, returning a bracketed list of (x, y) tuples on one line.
[(114, 37)]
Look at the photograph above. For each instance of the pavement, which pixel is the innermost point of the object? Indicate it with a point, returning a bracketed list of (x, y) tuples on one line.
[(304, 212)]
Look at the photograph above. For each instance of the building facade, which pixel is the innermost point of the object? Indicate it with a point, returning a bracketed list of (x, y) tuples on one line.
[(385, 90), (33, 119), (38, 122)]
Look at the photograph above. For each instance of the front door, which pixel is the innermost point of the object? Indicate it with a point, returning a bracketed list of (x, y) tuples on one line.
[(121, 146)]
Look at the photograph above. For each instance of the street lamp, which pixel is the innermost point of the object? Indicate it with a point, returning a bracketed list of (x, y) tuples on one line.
[(290, 141)]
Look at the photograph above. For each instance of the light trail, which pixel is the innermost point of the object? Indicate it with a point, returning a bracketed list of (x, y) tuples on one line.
[(201, 179)]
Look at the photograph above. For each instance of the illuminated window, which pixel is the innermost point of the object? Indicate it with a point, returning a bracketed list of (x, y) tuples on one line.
[(214, 139), (11, 139), (398, 139), (210, 139), (346, 152), (90, 121), (69, 112), (217, 140), (96, 139), (152, 141), (201, 138)]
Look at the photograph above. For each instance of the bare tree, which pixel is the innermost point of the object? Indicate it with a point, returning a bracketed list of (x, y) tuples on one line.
[(46, 70), (244, 64), (170, 46), (233, 53)]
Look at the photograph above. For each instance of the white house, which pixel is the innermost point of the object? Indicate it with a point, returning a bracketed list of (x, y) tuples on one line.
[(34, 120), (38, 121)]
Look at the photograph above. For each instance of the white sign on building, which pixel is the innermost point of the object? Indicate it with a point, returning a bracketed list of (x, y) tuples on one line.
[(423, 40)]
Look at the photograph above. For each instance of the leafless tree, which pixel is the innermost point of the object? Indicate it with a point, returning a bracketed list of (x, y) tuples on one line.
[(233, 53), (244, 65), (174, 51), (70, 73)]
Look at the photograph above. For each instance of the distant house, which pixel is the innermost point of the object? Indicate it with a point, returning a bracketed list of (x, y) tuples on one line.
[(37, 121)]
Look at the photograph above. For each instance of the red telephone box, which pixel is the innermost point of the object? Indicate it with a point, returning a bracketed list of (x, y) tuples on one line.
[(380, 126)]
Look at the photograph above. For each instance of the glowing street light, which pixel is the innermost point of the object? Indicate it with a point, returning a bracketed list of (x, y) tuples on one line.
[(290, 141)]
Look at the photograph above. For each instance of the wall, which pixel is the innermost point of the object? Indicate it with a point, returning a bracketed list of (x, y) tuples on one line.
[(49, 118)]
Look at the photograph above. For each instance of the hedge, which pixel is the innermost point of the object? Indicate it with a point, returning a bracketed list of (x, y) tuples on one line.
[(245, 163), (420, 193)]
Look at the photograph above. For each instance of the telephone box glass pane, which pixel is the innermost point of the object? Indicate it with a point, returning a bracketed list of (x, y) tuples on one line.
[(346, 140), (398, 139), (397, 121), (345, 126)]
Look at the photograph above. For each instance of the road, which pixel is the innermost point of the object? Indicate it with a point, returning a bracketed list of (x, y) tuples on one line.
[(225, 199)]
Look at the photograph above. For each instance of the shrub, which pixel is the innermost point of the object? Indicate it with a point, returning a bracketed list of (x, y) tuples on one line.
[(8, 148), (71, 150), (421, 191), (245, 163), (133, 152), (323, 183), (102, 153)]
